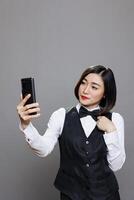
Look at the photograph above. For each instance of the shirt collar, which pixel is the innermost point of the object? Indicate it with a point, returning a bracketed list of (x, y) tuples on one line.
[(79, 105)]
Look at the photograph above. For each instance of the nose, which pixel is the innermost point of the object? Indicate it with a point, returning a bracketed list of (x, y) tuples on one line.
[(86, 89)]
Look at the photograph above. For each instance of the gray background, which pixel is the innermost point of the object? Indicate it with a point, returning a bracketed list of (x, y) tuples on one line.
[(54, 41)]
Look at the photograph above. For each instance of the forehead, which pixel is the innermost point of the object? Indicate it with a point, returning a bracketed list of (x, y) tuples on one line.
[(94, 78)]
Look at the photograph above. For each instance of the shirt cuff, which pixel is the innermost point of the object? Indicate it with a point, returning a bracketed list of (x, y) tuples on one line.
[(30, 133), (111, 137)]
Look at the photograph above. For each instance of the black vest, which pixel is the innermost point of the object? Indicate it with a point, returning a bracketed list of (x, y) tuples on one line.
[(84, 173)]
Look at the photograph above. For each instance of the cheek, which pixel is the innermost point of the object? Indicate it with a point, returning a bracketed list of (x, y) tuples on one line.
[(80, 89), (97, 95)]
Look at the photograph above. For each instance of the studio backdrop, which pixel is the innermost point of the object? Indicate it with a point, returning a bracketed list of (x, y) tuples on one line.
[(54, 41)]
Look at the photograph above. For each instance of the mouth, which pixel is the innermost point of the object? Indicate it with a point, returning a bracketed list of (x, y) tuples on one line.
[(84, 97)]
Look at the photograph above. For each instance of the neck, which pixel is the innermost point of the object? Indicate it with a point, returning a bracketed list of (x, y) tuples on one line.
[(90, 108)]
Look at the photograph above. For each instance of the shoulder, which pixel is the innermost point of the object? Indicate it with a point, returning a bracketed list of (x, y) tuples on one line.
[(59, 113), (56, 120), (117, 117)]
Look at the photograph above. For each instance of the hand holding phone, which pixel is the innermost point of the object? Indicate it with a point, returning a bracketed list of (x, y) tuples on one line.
[(28, 108)]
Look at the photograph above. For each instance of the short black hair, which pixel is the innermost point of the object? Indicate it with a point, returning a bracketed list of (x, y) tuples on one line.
[(110, 90)]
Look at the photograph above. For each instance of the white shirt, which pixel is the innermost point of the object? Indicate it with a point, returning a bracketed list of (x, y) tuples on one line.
[(42, 145)]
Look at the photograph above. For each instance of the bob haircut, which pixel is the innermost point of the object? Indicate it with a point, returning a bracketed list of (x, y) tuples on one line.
[(109, 99)]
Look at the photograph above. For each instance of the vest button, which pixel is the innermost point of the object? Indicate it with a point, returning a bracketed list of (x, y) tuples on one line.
[(87, 152), (87, 165), (87, 142)]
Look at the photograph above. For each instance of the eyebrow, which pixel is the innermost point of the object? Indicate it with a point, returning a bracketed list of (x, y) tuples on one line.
[(96, 84), (93, 82)]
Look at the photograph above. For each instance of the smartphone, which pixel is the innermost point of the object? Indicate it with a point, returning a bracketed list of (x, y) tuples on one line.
[(28, 87)]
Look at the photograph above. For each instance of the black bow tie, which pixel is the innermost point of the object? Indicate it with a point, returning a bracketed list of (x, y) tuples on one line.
[(83, 112)]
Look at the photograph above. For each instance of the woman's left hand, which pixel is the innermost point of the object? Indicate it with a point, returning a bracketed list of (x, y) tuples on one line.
[(105, 124)]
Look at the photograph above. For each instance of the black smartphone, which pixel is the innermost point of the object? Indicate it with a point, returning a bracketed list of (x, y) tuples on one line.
[(28, 87)]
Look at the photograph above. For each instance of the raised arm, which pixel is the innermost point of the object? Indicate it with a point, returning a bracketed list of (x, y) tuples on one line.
[(42, 145)]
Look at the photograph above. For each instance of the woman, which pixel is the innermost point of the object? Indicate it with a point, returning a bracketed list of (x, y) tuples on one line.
[(91, 138)]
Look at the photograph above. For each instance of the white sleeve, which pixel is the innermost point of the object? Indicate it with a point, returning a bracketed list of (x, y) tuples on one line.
[(42, 145), (115, 143)]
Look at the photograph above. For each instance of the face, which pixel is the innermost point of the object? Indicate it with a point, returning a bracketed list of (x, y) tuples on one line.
[(91, 90)]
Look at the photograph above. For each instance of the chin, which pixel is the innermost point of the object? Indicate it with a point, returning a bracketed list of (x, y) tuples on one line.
[(84, 103), (88, 105)]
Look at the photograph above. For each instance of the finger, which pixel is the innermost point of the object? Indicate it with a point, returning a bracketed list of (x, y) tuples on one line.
[(24, 100), (32, 105), (30, 111), (29, 117), (36, 116), (97, 123), (20, 109)]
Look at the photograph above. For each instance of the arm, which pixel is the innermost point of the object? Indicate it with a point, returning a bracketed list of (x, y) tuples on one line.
[(115, 143), (42, 145)]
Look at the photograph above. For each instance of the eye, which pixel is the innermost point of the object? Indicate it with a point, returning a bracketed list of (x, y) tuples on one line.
[(94, 88), (83, 82)]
